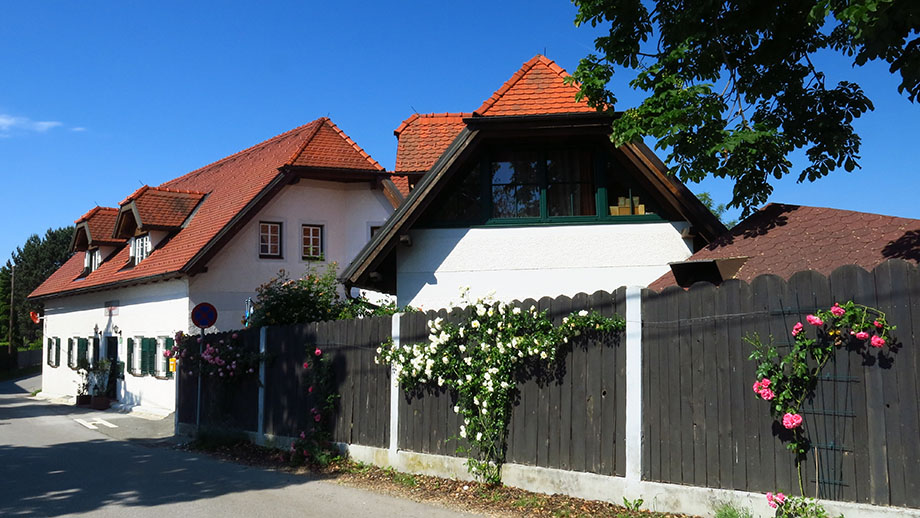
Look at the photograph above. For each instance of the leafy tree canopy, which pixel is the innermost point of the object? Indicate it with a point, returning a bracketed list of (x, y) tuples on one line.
[(731, 87), (35, 260)]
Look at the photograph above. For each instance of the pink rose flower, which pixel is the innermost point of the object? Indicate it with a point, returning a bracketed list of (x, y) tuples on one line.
[(837, 311), (771, 501), (797, 328), (877, 324), (779, 498), (167, 354), (757, 387), (234, 336), (310, 390), (862, 335), (303, 435), (767, 394), (792, 421), (877, 341), (318, 351), (813, 320), (765, 382), (317, 417), (306, 365)]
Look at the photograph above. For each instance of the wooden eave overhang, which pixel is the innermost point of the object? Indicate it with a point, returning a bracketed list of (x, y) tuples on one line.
[(127, 221), (109, 285)]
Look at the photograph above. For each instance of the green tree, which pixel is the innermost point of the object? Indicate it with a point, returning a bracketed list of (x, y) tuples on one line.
[(35, 260), (732, 89), (718, 210)]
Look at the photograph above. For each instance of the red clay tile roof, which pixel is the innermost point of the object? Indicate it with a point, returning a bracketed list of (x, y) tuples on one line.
[(330, 147), (231, 183), (402, 183), (424, 138), (159, 207), (784, 239), (99, 224), (537, 88)]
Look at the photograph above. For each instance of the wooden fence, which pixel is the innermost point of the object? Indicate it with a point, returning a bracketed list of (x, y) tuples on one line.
[(704, 426), (571, 418)]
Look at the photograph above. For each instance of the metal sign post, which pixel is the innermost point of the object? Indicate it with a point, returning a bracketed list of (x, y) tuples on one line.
[(204, 315)]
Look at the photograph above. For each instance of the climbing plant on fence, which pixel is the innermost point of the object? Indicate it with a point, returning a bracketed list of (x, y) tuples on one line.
[(480, 359), (786, 381), (314, 446)]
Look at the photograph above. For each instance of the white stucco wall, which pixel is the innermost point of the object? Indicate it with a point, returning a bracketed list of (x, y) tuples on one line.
[(150, 310), (522, 262), (346, 211)]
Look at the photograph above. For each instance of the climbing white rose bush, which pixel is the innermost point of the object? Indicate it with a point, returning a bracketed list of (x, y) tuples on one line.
[(481, 358)]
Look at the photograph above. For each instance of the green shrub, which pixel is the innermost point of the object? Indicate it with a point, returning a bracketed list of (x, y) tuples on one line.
[(729, 510)]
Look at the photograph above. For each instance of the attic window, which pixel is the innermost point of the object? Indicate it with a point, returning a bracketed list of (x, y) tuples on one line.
[(140, 248), (95, 260)]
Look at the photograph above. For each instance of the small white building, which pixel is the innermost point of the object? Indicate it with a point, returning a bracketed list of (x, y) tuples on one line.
[(527, 197), (302, 199)]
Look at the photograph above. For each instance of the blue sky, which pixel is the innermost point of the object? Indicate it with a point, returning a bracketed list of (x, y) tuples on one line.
[(98, 98)]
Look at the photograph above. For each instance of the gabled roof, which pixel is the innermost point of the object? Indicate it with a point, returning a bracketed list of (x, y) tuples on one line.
[(537, 88), (783, 239), (155, 208), (236, 187), (423, 138), (95, 229)]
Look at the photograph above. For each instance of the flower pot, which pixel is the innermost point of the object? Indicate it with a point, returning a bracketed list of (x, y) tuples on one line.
[(84, 400), (99, 403)]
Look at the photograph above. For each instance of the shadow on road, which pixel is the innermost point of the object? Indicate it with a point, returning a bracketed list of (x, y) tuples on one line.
[(79, 477)]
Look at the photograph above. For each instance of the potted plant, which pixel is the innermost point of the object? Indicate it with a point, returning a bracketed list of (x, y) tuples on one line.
[(99, 380), (83, 396)]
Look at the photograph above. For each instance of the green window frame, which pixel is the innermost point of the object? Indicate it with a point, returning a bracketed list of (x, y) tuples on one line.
[(556, 184)]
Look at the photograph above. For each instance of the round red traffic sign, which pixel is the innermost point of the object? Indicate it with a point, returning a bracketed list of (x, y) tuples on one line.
[(204, 315)]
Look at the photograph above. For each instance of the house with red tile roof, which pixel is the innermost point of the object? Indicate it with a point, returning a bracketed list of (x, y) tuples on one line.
[(302, 199), (527, 197), (782, 239)]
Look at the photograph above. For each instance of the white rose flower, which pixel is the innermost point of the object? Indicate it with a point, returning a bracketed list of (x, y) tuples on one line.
[(462, 432), (469, 377), (474, 324), (379, 350), (476, 400), (504, 384), (479, 436), (543, 354), (516, 311), (480, 310), (445, 360), (583, 313), (461, 332), (456, 409), (462, 348), (468, 360)]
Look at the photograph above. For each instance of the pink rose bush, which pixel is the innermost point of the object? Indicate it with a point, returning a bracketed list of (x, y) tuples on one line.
[(775, 500), (315, 443), (787, 380), (223, 356)]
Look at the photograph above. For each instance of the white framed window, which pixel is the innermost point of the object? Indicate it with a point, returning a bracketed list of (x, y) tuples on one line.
[(270, 239), (140, 248), (312, 243), (159, 367), (95, 260)]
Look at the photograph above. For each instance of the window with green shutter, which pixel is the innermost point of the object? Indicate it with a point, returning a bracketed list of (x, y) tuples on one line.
[(131, 355), (57, 352), (50, 350), (151, 356), (82, 351), (70, 352)]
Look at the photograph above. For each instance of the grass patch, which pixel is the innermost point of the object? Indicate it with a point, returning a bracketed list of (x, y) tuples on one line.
[(35, 392), (729, 510), (529, 502), (403, 479)]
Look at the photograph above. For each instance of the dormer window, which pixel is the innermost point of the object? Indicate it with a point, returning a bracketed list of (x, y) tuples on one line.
[(95, 259), (140, 248)]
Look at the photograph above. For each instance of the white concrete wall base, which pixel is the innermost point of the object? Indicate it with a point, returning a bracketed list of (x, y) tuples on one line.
[(656, 496)]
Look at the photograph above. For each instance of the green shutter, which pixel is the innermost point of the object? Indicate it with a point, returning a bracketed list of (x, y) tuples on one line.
[(82, 350), (143, 356), (169, 345), (57, 351), (70, 351), (152, 356), (50, 350), (131, 355)]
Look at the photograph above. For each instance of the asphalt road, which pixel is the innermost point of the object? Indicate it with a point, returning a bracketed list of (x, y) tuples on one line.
[(52, 465)]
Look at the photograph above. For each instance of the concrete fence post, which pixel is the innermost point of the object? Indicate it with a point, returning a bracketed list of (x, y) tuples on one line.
[(263, 334), (633, 384), (394, 396)]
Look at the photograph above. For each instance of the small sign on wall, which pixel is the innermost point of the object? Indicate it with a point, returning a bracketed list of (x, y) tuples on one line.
[(172, 365), (111, 308)]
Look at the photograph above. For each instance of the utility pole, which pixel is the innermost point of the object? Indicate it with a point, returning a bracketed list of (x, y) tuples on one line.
[(10, 330)]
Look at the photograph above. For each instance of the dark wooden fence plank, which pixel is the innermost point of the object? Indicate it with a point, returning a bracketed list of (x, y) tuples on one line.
[(620, 401), (651, 400), (721, 351)]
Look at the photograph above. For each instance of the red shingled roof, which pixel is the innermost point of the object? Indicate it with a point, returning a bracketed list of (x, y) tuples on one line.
[(231, 183), (537, 88), (99, 222), (424, 138), (402, 183), (784, 239), (159, 207)]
